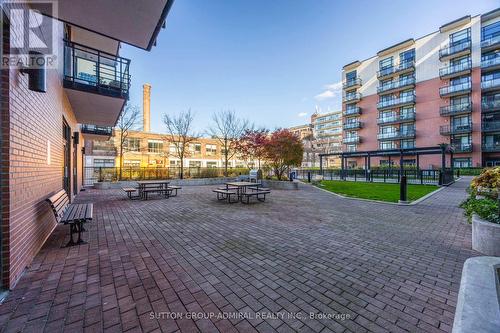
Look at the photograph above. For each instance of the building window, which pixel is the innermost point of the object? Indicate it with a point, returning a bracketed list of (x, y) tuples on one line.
[(104, 162), (132, 144), (463, 162), (351, 76), (174, 163), (195, 164), (385, 63), (460, 37), (407, 144), (131, 163), (195, 148), (387, 145), (211, 150), (386, 163), (352, 148), (490, 31), (407, 56), (211, 164), (410, 162), (155, 146)]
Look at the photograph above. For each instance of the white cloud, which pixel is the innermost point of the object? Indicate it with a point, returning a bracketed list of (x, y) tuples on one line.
[(332, 90), (302, 114)]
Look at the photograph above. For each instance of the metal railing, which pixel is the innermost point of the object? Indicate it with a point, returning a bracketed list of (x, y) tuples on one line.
[(352, 83), (462, 147), (397, 135), (490, 41), (490, 62), (455, 129), (455, 88), (455, 109), (396, 101), (449, 50), (351, 139), (490, 147), (96, 174), (377, 174), (399, 84), (449, 70), (397, 118), (490, 103), (396, 69), (490, 126), (490, 84), (89, 68), (97, 130), (352, 125), (352, 111), (352, 97)]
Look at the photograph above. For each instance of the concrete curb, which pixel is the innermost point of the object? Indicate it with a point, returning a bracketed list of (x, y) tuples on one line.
[(485, 236), (382, 202)]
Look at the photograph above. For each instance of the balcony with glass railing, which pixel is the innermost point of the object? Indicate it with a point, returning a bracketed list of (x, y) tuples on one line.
[(490, 103), (455, 50), (490, 126), (397, 118), (490, 147), (397, 135), (402, 68), (398, 85), (490, 84), (456, 109), (352, 125), (351, 139), (455, 70), (396, 102), (455, 89), (352, 83), (352, 111), (455, 129), (106, 131), (462, 147), (350, 98), (490, 64), (490, 43)]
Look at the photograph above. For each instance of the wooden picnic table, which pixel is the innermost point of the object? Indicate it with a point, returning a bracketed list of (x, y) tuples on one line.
[(144, 185), (241, 187)]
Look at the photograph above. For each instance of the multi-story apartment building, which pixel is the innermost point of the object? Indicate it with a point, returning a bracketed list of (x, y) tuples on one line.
[(440, 88), (302, 131), (327, 133), (43, 107)]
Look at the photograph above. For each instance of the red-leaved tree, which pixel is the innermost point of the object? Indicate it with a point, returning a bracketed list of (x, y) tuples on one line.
[(251, 145), (283, 150)]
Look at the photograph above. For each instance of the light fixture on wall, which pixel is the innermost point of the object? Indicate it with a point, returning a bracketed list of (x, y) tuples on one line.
[(37, 80)]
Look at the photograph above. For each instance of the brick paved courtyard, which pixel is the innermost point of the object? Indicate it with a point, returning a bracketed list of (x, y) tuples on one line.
[(384, 267)]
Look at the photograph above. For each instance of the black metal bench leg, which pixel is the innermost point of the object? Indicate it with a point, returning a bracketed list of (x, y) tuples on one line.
[(71, 232), (80, 229)]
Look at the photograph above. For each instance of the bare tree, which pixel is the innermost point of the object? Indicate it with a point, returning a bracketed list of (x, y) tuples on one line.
[(127, 121), (227, 128), (180, 134)]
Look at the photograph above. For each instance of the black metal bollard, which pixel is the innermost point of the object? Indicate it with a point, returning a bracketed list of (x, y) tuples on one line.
[(403, 190), (309, 176)]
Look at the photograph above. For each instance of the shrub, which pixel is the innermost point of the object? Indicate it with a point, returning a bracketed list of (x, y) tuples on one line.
[(487, 182), (485, 208)]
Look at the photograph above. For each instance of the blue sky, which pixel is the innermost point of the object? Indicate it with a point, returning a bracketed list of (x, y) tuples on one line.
[(273, 61)]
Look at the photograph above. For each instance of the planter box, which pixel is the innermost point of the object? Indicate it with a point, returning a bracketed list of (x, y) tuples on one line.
[(102, 185), (485, 236), (280, 184)]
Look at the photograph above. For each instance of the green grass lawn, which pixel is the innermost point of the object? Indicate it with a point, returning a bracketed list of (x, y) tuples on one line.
[(375, 191)]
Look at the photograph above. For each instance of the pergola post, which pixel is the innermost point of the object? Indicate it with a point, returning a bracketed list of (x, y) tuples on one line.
[(368, 170), (400, 164), (321, 164), (418, 162), (341, 166)]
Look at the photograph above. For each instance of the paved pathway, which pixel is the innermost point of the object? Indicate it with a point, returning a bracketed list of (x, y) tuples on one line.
[(373, 267)]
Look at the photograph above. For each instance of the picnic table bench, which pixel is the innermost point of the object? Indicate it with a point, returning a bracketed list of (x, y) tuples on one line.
[(225, 194), (240, 190), (146, 187), (73, 214)]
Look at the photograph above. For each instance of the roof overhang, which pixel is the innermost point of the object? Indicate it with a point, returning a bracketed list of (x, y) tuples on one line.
[(352, 65), (130, 21), (490, 15), (99, 42), (396, 47), (455, 24)]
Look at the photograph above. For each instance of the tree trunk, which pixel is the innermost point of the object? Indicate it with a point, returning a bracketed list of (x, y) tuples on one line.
[(121, 161), (182, 167)]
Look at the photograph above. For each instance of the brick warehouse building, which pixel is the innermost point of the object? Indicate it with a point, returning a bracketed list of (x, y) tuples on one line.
[(440, 88), (41, 149)]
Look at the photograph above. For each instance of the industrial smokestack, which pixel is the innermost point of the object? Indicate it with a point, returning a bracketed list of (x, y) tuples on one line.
[(146, 107)]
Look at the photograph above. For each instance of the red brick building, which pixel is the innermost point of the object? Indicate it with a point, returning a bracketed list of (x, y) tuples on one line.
[(41, 124)]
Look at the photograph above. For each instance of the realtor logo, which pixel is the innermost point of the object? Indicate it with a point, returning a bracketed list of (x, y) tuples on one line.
[(31, 34)]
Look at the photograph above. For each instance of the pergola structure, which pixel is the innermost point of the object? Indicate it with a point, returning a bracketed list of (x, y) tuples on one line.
[(441, 149)]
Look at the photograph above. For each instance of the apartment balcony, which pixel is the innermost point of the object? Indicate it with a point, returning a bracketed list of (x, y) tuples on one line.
[(351, 98), (490, 126), (490, 85), (402, 68), (455, 70), (456, 50), (490, 104), (396, 102), (490, 147), (96, 133), (352, 111), (456, 109), (102, 151), (351, 139), (455, 89), (490, 43), (490, 64), (97, 84), (462, 148), (397, 119), (396, 86), (352, 84), (455, 129), (354, 125), (398, 135)]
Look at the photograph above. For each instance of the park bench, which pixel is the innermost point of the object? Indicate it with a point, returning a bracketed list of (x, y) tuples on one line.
[(223, 194), (258, 194), (130, 192), (258, 188), (73, 214), (165, 191), (173, 188)]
